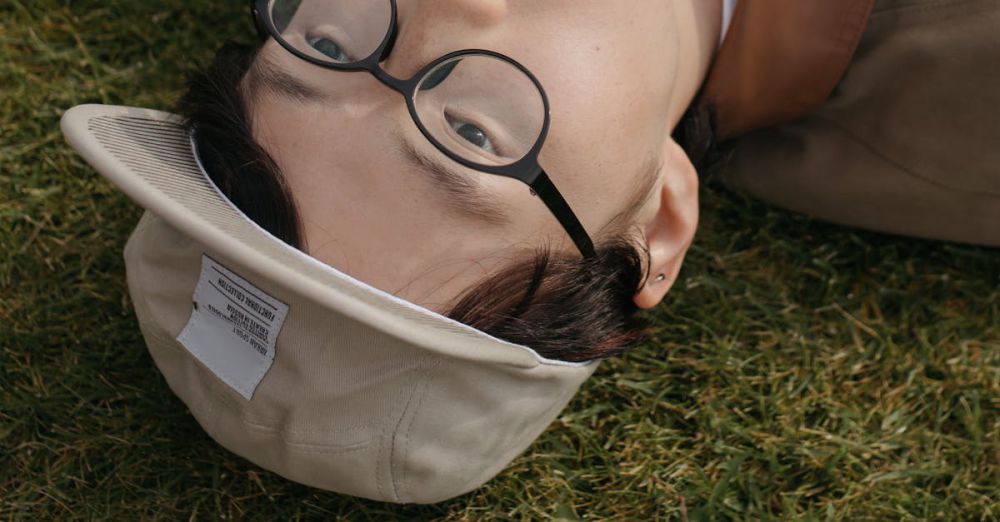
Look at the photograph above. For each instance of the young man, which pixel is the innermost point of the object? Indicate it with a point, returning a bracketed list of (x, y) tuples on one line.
[(535, 189), (848, 110)]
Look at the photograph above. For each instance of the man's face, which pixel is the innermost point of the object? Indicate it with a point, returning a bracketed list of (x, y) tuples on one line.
[(618, 76)]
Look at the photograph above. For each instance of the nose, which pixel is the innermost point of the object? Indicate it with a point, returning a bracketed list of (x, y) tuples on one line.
[(430, 28)]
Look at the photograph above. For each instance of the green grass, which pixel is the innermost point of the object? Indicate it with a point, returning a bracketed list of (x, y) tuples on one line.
[(799, 371)]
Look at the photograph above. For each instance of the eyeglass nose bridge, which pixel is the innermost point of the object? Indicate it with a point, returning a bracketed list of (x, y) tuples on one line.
[(405, 87)]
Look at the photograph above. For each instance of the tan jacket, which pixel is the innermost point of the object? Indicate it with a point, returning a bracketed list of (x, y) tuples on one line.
[(879, 114), (781, 60)]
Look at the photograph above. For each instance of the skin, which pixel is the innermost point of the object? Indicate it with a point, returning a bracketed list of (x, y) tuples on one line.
[(619, 76)]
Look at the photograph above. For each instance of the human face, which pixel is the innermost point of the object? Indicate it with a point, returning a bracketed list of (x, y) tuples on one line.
[(379, 202)]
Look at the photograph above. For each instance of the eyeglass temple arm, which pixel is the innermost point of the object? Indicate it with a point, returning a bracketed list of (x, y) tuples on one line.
[(547, 191)]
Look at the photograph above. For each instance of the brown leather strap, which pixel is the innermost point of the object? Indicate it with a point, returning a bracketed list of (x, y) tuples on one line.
[(781, 60)]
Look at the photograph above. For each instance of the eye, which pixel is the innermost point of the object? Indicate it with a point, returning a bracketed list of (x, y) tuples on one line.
[(472, 134), (329, 48)]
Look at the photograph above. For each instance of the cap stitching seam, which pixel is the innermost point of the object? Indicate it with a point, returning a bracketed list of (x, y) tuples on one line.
[(379, 471), (433, 369), (417, 392)]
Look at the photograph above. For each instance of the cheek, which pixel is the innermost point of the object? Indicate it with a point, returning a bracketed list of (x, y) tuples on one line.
[(608, 123), (349, 188)]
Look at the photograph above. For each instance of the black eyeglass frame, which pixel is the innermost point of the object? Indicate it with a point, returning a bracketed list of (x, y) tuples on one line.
[(527, 169)]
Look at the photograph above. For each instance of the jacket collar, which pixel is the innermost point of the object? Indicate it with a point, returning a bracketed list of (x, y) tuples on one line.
[(781, 60)]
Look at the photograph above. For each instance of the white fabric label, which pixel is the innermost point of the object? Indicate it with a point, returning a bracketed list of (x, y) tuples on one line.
[(233, 327)]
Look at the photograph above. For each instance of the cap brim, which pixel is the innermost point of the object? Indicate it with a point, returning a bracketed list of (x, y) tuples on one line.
[(150, 156)]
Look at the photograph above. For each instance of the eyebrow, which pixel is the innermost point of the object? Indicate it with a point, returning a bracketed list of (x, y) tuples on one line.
[(464, 194), (264, 76)]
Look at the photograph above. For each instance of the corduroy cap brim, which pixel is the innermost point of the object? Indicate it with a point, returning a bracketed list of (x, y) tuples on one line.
[(294, 365)]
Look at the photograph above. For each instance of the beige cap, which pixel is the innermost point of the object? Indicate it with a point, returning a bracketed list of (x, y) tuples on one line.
[(296, 366)]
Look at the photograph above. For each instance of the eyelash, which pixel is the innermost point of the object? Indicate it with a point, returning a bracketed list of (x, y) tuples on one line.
[(311, 37), (451, 119)]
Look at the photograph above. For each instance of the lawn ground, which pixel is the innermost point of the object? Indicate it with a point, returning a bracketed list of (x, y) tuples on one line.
[(798, 371)]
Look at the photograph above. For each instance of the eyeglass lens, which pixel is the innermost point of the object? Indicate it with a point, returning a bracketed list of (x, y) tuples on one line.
[(339, 32), (479, 107)]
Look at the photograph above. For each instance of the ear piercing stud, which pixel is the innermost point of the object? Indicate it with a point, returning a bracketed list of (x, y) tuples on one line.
[(661, 278)]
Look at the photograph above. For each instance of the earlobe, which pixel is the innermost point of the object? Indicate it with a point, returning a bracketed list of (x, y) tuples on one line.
[(672, 227)]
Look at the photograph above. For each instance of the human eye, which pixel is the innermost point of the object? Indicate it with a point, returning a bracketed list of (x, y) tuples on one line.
[(472, 133), (329, 47)]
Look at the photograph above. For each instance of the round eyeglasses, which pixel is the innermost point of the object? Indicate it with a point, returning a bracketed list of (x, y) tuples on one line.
[(480, 108)]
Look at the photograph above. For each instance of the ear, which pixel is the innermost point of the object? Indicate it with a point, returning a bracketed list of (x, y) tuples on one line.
[(671, 228)]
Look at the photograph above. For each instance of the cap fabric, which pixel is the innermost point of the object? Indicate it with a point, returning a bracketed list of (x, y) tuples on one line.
[(294, 365)]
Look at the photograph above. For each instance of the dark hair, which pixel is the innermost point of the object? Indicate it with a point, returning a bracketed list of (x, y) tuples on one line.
[(214, 106), (695, 133), (565, 308)]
